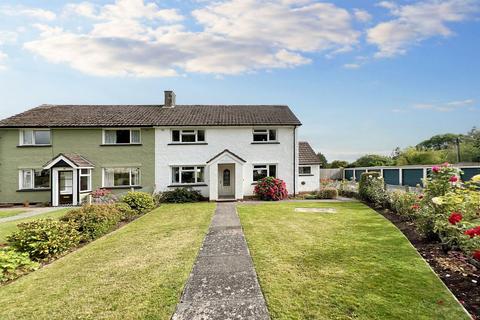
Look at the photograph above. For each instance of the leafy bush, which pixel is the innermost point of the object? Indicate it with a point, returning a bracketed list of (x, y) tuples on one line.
[(126, 213), (271, 189), (327, 193), (93, 221), (103, 196), (179, 195), (405, 204), (44, 238), (13, 264), (141, 202), (371, 188)]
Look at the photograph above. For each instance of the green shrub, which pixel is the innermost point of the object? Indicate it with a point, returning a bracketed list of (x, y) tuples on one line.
[(348, 193), (13, 264), (141, 202), (93, 221), (271, 189), (44, 238), (310, 197), (179, 195), (371, 188), (327, 193), (126, 213), (406, 204)]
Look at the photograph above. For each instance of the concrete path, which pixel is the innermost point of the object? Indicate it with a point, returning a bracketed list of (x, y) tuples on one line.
[(30, 212), (223, 283)]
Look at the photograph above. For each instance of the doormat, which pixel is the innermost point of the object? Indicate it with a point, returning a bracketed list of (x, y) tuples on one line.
[(322, 210)]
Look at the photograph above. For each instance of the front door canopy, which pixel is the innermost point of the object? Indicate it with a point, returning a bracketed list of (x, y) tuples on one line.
[(74, 160), (228, 152)]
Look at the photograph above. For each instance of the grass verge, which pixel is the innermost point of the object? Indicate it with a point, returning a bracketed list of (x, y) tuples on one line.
[(7, 228), (352, 264), (10, 213), (136, 272)]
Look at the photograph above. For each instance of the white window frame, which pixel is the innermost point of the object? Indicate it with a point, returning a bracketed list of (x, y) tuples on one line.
[(267, 165), (265, 131), (123, 129), (304, 174), (32, 180), (89, 176), (192, 132), (180, 170), (104, 185), (32, 131)]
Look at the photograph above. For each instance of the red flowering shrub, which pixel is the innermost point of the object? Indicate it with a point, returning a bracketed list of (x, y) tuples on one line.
[(455, 217), (103, 196), (415, 206), (271, 189), (476, 255), (472, 232)]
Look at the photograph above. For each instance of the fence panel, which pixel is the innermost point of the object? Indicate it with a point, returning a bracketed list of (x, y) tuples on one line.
[(333, 174)]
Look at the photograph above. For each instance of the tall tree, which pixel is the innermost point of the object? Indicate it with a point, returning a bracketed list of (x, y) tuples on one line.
[(323, 159), (439, 142), (338, 164), (372, 160)]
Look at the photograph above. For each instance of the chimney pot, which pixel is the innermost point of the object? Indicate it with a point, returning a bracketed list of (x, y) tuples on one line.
[(169, 99)]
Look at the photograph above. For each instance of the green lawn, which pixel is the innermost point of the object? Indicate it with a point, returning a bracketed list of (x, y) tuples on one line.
[(353, 264), (7, 228), (9, 213), (136, 272)]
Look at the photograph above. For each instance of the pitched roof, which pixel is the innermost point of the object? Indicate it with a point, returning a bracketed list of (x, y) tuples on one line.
[(306, 155), (151, 115), (75, 158), (225, 151)]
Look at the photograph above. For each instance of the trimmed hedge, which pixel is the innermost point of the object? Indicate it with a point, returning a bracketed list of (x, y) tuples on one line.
[(141, 202), (45, 238), (179, 195), (327, 193)]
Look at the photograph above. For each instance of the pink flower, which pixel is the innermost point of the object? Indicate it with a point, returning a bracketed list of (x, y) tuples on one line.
[(436, 169), (445, 164), (453, 179)]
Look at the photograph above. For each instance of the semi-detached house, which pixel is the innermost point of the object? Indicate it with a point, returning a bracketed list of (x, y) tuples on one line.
[(58, 154)]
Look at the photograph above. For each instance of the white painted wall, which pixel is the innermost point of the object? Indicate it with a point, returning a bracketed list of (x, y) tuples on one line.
[(236, 139), (309, 183)]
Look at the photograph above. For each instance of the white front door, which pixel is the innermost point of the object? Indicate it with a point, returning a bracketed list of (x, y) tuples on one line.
[(226, 180)]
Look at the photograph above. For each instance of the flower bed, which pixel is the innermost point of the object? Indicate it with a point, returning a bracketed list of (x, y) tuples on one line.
[(443, 222), (44, 240)]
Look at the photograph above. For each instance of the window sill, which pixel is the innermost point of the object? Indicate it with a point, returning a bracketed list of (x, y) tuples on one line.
[(184, 185), (85, 191), (33, 190), (119, 144), (187, 143), (265, 142), (306, 175), (34, 146), (122, 187)]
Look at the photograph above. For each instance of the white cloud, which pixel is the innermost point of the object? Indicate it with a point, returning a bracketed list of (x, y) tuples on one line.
[(7, 37), (35, 13), (3, 57), (352, 65), (446, 106), (362, 15), (416, 22), (134, 37)]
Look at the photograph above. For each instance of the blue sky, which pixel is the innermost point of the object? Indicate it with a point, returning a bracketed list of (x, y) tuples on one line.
[(362, 76)]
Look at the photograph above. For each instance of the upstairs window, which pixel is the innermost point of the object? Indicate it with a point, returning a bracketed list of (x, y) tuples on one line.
[(264, 170), (35, 137), (307, 170), (121, 136), (264, 135), (188, 174), (188, 136), (34, 179)]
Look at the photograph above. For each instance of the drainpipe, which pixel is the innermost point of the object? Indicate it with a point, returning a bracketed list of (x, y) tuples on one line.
[(294, 159)]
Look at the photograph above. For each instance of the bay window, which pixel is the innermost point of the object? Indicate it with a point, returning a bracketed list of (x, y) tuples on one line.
[(121, 177), (261, 171), (188, 136), (35, 137), (121, 136), (34, 179), (188, 174)]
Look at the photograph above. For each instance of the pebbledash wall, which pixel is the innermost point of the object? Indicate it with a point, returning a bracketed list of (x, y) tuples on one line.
[(238, 140), (86, 142)]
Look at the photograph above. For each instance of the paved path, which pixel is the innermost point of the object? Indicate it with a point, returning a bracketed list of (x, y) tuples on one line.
[(31, 212), (223, 283)]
